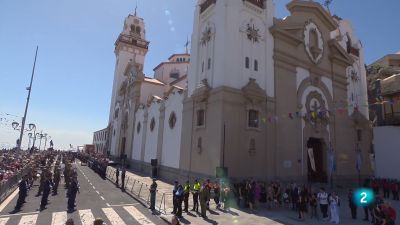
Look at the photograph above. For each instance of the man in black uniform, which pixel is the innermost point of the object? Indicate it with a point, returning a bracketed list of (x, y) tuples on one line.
[(23, 191), (72, 190), (57, 178), (117, 176), (46, 191), (123, 178)]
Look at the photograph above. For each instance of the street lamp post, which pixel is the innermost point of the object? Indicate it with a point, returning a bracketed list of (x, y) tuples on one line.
[(39, 136), (45, 140), (33, 127), (29, 140), (27, 102)]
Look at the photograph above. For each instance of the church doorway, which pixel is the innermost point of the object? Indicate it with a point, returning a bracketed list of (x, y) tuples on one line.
[(319, 174)]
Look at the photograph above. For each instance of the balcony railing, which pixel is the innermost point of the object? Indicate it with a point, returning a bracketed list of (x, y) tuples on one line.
[(206, 4), (392, 119), (259, 3)]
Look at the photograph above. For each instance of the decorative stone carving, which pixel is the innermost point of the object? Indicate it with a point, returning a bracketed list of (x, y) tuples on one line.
[(253, 92), (206, 36), (313, 42), (317, 113), (253, 33), (202, 91)]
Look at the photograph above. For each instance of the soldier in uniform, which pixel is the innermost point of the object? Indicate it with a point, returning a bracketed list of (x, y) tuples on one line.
[(46, 191), (72, 191), (23, 192), (41, 182), (57, 178), (204, 195)]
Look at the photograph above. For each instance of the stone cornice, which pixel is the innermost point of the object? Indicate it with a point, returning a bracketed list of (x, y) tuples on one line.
[(283, 35)]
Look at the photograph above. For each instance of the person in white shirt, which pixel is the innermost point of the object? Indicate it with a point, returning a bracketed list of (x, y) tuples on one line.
[(323, 203), (334, 206)]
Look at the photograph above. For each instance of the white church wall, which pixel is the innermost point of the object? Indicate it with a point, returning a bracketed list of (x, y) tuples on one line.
[(172, 136), (387, 154), (147, 90), (138, 136), (152, 135), (163, 72)]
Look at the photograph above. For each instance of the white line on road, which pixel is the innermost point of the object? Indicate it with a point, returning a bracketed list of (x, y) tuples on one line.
[(142, 219), (3, 221), (123, 205), (102, 198), (98, 192), (113, 217), (86, 216), (59, 218), (108, 205), (19, 214), (28, 220)]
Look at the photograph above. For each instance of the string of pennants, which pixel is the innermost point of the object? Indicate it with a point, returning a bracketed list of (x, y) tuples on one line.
[(323, 114)]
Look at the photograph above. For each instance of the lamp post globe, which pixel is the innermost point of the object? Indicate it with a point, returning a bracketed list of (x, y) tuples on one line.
[(15, 125)]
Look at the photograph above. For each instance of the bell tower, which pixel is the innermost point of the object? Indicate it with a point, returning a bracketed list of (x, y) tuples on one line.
[(231, 44), (131, 48)]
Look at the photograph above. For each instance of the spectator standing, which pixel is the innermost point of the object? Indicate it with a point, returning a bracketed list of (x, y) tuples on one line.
[(352, 205), (323, 203), (153, 190), (334, 206)]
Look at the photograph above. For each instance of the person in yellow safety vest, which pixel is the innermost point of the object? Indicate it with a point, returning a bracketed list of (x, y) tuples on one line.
[(186, 190), (195, 192)]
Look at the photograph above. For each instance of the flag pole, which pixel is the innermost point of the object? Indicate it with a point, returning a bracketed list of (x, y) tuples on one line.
[(27, 101)]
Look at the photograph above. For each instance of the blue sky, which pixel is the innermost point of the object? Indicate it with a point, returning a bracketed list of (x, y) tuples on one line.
[(72, 87)]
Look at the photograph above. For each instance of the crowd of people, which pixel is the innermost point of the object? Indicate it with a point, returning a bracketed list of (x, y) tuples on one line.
[(48, 169), (13, 161), (306, 201)]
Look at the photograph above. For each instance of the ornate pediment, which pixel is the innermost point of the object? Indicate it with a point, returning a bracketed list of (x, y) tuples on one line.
[(253, 92)]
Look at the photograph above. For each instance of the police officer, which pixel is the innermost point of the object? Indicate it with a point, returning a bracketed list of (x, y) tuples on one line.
[(72, 191), (179, 199), (41, 182), (153, 190), (195, 193), (117, 176), (186, 191), (23, 192)]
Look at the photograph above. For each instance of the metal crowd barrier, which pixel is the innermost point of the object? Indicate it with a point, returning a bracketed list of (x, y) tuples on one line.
[(8, 186), (141, 191)]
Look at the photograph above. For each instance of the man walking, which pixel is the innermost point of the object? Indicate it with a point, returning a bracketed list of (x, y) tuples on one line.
[(23, 192), (153, 190), (196, 189), (117, 176), (323, 203), (46, 191), (204, 196), (123, 178), (72, 191)]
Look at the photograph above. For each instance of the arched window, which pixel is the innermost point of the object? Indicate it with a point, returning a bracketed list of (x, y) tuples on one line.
[(172, 120), (138, 30), (116, 113), (255, 65), (152, 124), (202, 67), (139, 125), (247, 63), (209, 64)]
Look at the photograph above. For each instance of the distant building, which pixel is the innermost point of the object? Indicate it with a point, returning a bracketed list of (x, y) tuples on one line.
[(258, 96), (100, 141), (384, 90)]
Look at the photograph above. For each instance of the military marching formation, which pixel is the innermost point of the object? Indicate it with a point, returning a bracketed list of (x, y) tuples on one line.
[(49, 171)]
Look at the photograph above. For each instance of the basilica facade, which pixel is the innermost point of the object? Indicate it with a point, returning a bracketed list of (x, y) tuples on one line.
[(258, 96)]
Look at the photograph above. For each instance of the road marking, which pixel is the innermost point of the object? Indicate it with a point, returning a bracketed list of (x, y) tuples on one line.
[(19, 214), (59, 218), (108, 205), (86, 216), (3, 221), (97, 192), (113, 217), (102, 198), (28, 220), (123, 205), (142, 219), (8, 200)]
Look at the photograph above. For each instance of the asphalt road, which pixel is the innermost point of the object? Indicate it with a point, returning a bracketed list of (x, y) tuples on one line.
[(98, 198)]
